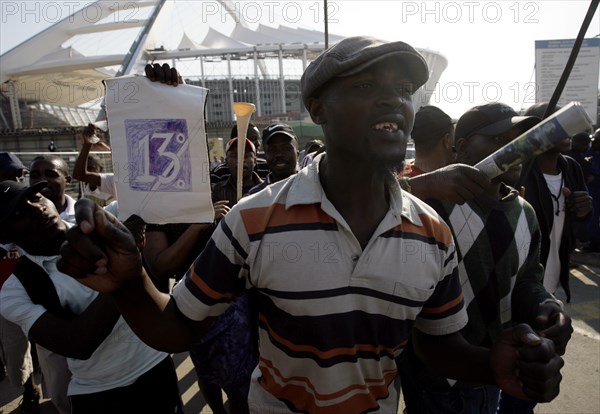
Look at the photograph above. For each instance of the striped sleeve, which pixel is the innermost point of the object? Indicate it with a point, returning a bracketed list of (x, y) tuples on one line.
[(444, 312), (218, 275)]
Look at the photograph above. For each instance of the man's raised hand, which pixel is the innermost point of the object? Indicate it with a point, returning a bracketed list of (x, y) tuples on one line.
[(163, 74), (100, 252)]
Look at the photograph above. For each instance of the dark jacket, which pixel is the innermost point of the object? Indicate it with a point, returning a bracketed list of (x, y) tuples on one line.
[(538, 195), (227, 190)]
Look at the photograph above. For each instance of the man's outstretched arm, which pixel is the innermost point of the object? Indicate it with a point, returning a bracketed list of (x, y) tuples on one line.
[(101, 253)]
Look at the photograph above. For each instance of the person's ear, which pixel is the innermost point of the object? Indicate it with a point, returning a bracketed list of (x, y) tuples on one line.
[(68, 179), (460, 147), (316, 110), (448, 141)]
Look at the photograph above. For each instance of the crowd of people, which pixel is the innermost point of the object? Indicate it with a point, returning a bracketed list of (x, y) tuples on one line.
[(332, 285)]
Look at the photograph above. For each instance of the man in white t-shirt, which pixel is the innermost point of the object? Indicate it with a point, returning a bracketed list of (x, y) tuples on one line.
[(556, 188), (55, 172), (112, 369), (15, 349)]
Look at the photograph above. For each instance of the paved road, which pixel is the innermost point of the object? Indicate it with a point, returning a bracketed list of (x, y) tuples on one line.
[(580, 392)]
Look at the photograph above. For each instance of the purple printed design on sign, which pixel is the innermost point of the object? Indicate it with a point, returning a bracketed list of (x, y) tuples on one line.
[(158, 155)]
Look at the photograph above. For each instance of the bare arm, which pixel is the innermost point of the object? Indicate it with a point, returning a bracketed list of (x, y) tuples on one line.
[(521, 363), (451, 360), (101, 253), (80, 171), (80, 337), (456, 183), (155, 318), (165, 260)]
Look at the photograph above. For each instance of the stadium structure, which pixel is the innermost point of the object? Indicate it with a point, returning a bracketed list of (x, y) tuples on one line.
[(54, 79)]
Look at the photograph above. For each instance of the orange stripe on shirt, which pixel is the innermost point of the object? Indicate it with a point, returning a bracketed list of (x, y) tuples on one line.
[(446, 306), (211, 293), (331, 353), (257, 219), (284, 388), (431, 228)]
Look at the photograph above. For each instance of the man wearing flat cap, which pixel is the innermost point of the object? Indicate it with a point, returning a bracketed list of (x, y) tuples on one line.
[(345, 263)]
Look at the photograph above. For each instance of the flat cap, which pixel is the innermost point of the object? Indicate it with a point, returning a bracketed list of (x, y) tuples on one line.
[(353, 54)]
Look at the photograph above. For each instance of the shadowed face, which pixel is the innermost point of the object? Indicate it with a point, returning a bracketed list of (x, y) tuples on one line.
[(281, 153), (52, 171), (475, 148), (368, 115), (33, 224), (14, 175), (231, 160)]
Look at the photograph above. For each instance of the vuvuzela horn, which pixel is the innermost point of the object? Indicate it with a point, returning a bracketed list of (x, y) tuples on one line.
[(243, 111)]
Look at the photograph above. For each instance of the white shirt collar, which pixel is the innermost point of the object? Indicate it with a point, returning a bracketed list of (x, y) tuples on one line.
[(306, 189), (69, 213)]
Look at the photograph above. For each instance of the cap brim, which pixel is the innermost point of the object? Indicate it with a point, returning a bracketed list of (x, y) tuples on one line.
[(36, 188), (505, 125), (293, 137), (233, 145), (32, 189), (417, 67), (11, 168)]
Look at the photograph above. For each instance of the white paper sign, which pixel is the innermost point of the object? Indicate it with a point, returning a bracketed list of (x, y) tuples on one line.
[(159, 150)]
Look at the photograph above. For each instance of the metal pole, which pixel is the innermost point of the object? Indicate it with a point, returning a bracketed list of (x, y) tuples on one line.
[(257, 85), (282, 81), (326, 24)]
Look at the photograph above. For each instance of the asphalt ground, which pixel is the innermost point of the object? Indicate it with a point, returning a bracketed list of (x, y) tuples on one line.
[(580, 388)]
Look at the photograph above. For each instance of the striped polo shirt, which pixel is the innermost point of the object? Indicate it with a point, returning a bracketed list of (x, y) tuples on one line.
[(332, 316)]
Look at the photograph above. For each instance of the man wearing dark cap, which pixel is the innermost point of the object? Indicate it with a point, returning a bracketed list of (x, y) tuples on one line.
[(336, 255), (433, 134), (497, 239), (227, 190), (105, 357), (281, 153), (11, 167), (15, 349)]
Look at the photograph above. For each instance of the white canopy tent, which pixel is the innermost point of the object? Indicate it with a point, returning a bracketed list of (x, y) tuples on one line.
[(65, 64)]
